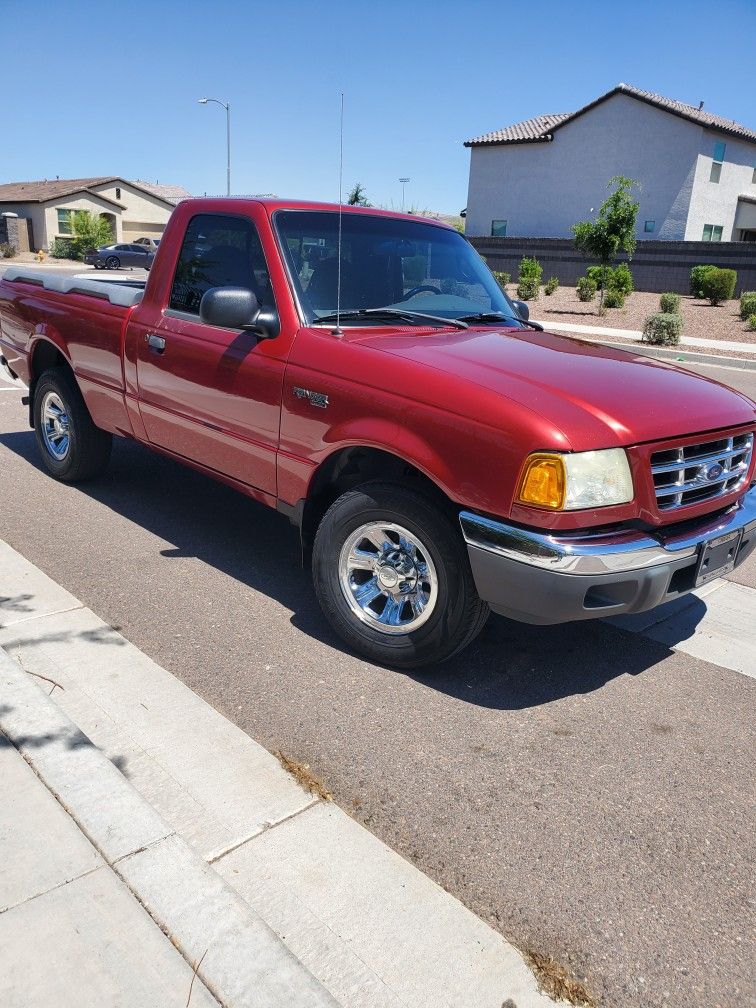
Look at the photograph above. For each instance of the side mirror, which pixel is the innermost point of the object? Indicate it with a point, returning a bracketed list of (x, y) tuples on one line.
[(521, 307), (229, 307)]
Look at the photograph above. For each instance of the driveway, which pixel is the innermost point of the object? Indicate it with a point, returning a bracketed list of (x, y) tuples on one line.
[(585, 789)]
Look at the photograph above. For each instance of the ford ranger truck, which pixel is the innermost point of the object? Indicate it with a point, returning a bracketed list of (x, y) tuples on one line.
[(361, 371)]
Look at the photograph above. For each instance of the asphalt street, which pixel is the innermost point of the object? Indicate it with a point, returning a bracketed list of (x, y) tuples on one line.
[(583, 789)]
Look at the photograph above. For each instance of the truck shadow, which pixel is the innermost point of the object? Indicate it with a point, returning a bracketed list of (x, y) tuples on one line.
[(510, 666)]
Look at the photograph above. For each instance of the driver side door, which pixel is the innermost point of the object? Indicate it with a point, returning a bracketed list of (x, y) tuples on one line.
[(209, 394)]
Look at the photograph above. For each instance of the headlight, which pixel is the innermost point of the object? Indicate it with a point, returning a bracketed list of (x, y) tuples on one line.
[(582, 480)]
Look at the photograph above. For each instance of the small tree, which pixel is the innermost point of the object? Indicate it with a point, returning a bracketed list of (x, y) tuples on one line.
[(357, 196), (89, 231), (613, 230)]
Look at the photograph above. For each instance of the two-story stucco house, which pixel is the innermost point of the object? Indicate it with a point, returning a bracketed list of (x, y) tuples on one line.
[(133, 209), (697, 171)]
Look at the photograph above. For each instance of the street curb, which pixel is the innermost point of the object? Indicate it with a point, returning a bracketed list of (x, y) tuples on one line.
[(680, 355), (243, 962)]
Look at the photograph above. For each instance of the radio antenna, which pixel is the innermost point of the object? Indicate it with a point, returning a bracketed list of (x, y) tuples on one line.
[(337, 331)]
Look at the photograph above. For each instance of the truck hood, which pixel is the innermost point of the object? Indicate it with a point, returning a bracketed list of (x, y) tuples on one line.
[(595, 395)]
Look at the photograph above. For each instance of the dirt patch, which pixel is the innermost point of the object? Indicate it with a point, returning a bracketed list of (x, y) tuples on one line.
[(304, 776), (700, 319), (556, 981)]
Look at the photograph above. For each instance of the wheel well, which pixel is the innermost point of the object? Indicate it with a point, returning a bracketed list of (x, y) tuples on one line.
[(352, 467), (44, 356)]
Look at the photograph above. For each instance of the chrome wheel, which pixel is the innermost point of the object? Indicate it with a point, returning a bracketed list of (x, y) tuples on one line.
[(388, 577), (55, 426)]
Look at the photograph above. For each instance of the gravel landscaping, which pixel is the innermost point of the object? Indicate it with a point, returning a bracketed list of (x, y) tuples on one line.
[(701, 319)]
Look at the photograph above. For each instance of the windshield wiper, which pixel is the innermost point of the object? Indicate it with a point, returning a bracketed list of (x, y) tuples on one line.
[(409, 316), (501, 317)]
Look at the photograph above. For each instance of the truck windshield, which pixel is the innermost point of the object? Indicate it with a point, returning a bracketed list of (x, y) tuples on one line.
[(386, 262)]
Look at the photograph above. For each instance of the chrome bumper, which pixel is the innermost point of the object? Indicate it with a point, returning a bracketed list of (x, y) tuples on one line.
[(542, 577)]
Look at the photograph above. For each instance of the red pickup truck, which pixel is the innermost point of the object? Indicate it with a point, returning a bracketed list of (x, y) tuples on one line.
[(362, 372)]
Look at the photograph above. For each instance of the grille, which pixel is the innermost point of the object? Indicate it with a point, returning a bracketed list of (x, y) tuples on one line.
[(700, 472)]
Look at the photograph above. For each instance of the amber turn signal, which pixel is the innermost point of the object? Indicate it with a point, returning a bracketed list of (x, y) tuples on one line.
[(543, 482)]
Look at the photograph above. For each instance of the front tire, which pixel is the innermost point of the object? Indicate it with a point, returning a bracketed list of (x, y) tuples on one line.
[(71, 447), (393, 579)]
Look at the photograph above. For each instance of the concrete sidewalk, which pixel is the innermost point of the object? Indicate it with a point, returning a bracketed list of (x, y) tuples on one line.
[(167, 820), (71, 933), (608, 332)]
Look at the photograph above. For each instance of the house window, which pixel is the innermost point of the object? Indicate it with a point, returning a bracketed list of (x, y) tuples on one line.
[(753, 179), (118, 193), (719, 150), (716, 171), (712, 232), (64, 222), (498, 229), (649, 226)]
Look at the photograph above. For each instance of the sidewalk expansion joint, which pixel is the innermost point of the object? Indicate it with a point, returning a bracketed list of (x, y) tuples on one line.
[(59, 885), (39, 616), (265, 828)]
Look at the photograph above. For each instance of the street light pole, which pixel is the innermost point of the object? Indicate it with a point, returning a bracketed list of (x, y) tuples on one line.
[(227, 107), (404, 181)]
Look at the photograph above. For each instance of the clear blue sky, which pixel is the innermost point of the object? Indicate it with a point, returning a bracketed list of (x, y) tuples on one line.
[(110, 88)]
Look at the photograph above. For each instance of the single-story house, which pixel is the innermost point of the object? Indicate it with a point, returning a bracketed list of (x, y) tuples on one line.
[(133, 209)]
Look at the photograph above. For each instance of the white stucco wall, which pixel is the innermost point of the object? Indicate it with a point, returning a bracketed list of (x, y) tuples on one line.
[(542, 189), (717, 202), (36, 213), (82, 201), (140, 207)]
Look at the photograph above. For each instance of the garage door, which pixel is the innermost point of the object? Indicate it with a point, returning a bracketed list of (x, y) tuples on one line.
[(139, 229)]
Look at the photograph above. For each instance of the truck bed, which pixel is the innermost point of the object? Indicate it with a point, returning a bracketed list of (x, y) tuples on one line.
[(125, 293)]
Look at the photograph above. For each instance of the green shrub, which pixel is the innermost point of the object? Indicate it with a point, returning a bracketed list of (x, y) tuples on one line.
[(7, 250), (718, 285), (752, 322), (596, 273), (696, 279), (669, 304), (614, 298), (60, 248), (501, 278), (531, 269), (663, 329), (586, 289), (528, 289), (747, 304), (620, 279), (551, 285)]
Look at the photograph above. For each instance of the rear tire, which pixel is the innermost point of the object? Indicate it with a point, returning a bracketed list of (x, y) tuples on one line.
[(71, 447), (393, 579), (112, 262)]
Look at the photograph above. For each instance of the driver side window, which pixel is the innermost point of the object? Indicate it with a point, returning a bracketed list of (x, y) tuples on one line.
[(219, 250)]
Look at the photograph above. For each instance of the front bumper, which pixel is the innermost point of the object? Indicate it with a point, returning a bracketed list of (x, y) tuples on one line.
[(535, 577)]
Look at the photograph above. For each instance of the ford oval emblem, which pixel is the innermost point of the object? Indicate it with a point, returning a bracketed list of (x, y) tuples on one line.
[(713, 472)]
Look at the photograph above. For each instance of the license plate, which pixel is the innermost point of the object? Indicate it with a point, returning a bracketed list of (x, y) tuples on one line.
[(718, 557)]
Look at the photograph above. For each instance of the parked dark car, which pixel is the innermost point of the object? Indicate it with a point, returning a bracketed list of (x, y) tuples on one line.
[(115, 256)]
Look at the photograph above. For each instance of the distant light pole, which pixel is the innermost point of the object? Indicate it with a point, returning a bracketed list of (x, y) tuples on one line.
[(227, 107), (404, 181)]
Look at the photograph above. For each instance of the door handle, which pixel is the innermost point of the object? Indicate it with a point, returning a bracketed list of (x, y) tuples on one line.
[(155, 342)]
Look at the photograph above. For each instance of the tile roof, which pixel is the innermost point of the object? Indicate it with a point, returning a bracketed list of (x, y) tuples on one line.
[(40, 192), (530, 130), (541, 128), (171, 193)]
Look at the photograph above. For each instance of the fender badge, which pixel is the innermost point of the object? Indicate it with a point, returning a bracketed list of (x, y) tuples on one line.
[(314, 398)]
